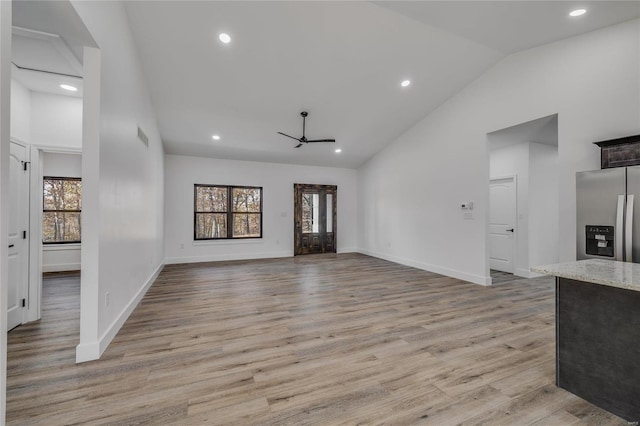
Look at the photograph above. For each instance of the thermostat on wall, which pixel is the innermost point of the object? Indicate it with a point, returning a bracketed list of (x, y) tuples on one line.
[(467, 206)]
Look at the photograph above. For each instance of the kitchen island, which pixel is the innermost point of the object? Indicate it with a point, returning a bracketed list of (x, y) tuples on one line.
[(598, 332)]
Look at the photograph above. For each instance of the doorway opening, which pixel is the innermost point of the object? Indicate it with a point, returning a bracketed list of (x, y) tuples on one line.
[(523, 212), (315, 218)]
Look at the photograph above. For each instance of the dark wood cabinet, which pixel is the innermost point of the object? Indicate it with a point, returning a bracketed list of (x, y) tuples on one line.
[(598, 345)]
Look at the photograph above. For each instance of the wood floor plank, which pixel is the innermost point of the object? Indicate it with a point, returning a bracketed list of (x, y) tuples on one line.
[(312, 340)]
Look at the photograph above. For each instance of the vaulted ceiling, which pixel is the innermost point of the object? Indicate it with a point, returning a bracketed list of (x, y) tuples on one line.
[(343, 62)]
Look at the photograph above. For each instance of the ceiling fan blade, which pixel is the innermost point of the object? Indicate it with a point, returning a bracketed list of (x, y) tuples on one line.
[(284, 134), (299, 145), (321, 140)]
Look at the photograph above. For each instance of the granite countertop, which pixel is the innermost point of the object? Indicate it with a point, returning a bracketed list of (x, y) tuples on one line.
[(606, 272)]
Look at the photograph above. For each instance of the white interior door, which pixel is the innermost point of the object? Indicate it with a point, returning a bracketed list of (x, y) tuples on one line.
[(18, 243), (502, 219)]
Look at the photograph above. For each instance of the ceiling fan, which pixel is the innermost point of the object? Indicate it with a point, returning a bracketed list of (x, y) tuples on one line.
[(303, 139)]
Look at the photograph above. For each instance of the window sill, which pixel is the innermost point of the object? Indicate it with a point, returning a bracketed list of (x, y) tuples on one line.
[(58, 247)]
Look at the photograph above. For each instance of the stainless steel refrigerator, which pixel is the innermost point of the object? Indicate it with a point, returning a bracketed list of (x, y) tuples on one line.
[(607, 227)]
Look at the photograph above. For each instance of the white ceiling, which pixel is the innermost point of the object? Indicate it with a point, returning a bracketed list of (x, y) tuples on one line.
[(542, 130), (47, 46), (511, 26), (340, 61), (43, 61)]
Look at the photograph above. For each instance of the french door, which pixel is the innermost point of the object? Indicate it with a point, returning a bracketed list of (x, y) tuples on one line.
[(315, 218)]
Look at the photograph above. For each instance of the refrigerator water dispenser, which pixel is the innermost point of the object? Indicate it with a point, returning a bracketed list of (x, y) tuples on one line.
[(600, 240)]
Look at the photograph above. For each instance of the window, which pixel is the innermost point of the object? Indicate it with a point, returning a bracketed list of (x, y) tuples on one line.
[(222, 212), (62, 205)]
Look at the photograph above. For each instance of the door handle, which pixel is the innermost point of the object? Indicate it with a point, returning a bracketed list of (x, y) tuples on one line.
[(628, 230), (10, 245), (510, 230), (619, 225)]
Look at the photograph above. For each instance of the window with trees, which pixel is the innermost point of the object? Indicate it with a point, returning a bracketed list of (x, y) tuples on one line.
[(62, 206), (227, 212)]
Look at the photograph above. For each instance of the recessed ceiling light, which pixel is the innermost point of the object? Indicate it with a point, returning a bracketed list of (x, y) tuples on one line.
[(405, 83), (69, 88), (224, 37), (578, 12), (216, 137), (338, 151)]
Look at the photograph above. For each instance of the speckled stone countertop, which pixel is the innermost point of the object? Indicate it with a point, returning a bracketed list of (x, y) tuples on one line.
[(606, 272)]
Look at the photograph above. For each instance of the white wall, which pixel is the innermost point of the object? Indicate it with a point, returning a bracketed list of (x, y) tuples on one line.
[(123, 194), (544, 205), (58, 164), (61, 257), (5, 132), (591, 81), (56, 121), (20, 112), (45, 119), (514, 161), (277, 182)]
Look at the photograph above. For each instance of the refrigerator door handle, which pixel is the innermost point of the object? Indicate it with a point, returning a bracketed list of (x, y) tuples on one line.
[(628, 230), (619, 224)]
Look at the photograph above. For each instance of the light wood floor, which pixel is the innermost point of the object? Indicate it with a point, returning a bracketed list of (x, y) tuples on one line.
[(322, 339)]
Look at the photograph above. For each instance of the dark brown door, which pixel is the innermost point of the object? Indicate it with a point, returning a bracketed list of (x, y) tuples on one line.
[(315, 224)]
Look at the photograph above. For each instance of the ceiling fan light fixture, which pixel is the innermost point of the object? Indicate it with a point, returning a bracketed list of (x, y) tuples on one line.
[(215, 137), (405, 83), (338, 151), (303, 140), (225, 38), (577, 12)]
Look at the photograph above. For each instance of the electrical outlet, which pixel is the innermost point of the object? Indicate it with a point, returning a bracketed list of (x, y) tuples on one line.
[(107, 299), (182, 246)]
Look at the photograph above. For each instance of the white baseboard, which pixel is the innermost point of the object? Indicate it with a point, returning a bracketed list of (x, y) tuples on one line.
[(348, 250), (223, 257), (93, 350), (476, 279), (524, 273), (62, 267)]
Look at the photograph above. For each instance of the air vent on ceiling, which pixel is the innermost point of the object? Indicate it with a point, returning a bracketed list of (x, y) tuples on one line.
[(143, 137)]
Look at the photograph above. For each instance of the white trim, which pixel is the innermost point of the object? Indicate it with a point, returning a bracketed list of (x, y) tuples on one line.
[(241, 256), (223, 257), (61, 247), (525, 273), (227, 241), (34, 301), (476, 279), (57, 149), (348, 250), (61, 267), (93, 350)]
